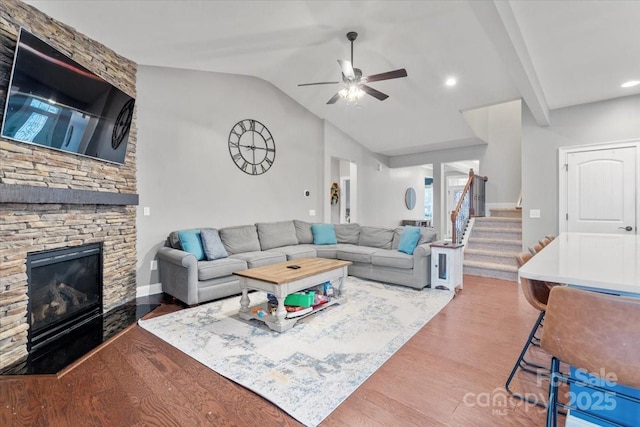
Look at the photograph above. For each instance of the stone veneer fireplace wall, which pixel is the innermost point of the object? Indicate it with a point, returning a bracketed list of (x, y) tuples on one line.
[(51, 199)]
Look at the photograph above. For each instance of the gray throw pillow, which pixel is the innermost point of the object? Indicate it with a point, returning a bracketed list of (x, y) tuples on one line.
[(213, 247)]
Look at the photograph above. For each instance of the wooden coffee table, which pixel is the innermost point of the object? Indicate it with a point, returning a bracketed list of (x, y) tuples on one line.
[(281, 281)]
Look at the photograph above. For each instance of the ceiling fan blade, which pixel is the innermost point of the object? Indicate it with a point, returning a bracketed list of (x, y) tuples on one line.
[(318, 83), (334, 99), (375, 93), (347, 69), (395, 74)]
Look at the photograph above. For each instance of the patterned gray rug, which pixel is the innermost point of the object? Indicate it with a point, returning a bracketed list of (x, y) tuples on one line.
[(313, 367)]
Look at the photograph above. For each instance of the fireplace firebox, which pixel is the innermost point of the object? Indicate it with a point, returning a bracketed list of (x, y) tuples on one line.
[(65, 291)]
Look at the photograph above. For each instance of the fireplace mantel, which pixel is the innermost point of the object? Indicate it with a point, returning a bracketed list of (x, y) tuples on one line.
[(15, 193)]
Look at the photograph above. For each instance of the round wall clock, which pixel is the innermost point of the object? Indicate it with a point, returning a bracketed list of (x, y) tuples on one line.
[(252, 147), (122, 124)]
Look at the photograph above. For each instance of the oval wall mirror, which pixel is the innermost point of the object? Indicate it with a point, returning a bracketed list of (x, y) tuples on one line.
[(410, 198)]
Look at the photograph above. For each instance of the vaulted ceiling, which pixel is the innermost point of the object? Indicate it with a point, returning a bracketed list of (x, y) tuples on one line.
[(552, 54)]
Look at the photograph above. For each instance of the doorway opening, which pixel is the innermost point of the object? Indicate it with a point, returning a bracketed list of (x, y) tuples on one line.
[(345, 174)]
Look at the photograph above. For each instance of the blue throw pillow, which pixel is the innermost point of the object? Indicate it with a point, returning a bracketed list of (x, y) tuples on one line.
[(409, 239), (212, 245), (191, 242), (323, 234)]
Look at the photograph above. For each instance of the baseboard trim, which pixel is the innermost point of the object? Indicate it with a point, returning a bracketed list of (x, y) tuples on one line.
[(146, 290)]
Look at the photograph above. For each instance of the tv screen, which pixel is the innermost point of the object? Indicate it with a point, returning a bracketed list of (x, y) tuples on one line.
[(55, 102)]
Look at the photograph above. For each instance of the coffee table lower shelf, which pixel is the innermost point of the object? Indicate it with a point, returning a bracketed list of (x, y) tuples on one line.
[(287, 323), (281, 280)]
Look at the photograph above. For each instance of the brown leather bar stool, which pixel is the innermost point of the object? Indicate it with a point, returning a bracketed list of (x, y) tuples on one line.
[(537, 294), (544, 242), (535, 248), (596, 333)]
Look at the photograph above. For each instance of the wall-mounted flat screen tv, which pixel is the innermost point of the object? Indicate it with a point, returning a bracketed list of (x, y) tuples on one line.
[(57, 103)]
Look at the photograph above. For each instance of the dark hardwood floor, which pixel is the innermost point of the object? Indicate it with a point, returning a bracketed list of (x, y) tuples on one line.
[(452, 373)]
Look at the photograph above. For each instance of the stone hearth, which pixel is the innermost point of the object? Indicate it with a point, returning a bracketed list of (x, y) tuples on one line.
[(51, 199)]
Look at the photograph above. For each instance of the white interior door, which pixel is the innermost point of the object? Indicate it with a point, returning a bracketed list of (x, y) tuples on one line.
[(601, 191)]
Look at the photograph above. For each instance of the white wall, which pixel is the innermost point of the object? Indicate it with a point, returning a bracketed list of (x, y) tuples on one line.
[(188, 180), (499, 159), (380, 199), (185, 173), (598, 122), (388, 187)]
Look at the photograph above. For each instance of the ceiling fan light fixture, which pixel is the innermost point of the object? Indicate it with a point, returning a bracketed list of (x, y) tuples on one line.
[(351, 93)]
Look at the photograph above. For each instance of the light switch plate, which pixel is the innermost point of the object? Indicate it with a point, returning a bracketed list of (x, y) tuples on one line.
[(312, 212), (146, 211), (154, 265), (534, 213)]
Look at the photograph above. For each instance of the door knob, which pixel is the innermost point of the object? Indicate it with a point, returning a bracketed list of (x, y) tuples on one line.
[(627, 228)]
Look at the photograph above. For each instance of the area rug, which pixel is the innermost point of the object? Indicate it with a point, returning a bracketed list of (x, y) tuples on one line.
[(310, 369)]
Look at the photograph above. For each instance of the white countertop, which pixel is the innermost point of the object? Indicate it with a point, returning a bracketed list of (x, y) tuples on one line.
[(608, 262)]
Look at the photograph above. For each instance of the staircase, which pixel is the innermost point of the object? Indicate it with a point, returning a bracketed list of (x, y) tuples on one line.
[(493, 244)]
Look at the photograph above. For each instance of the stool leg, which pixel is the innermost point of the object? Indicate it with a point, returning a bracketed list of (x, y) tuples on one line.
[(519, 365), (552, 410)]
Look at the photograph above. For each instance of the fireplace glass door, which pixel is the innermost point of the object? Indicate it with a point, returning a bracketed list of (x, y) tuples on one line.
[(65, 290)]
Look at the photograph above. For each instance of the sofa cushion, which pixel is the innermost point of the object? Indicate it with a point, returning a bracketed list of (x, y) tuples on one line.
[(276, 234), (347, 233), (212, 245), (392, 258), (190, 242), (323, 234), (303, 232), (409, 239), (242, 238), (376, 237), (296, 251), (260, 258), (356, 253), (427, 235), (208, 270), (326, 251)]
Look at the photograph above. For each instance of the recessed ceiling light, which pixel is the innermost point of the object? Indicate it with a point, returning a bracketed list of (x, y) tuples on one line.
[(630, 83), (451, 81)]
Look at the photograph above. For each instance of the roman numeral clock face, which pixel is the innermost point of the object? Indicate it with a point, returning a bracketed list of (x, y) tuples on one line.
[(252, 147)]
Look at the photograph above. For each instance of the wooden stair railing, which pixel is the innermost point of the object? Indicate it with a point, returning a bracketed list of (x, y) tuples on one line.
[(472, 195)]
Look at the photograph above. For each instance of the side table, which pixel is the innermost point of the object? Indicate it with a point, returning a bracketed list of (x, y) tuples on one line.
[(446, 265)]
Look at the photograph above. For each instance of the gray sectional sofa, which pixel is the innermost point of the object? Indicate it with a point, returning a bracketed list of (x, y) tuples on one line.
[(372, 250)]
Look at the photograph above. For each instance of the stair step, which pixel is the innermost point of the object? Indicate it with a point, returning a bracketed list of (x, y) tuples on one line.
[(489, 269), (495, 244), (506, 212), (491, 256), (491, 266), (494, 274), (497, 232), (497, 221)]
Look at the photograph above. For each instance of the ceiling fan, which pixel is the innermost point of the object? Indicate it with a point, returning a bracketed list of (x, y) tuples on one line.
[(355, 83)]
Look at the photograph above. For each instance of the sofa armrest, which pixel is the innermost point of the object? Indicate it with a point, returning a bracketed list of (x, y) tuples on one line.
[(179, 274), (422, 262), (422, 250)]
